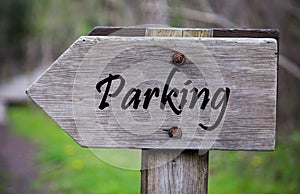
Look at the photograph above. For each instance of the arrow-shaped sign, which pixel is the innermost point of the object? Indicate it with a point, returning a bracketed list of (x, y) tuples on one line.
[(165, 93)]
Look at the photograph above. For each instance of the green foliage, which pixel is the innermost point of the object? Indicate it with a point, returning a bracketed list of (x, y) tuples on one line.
[(65, 167), (257, 172)]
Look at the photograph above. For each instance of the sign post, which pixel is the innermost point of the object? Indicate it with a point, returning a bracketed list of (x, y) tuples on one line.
[(175, 93)]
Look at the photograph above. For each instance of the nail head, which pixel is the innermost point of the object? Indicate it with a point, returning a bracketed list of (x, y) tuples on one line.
[(178, 59), (175, 132)]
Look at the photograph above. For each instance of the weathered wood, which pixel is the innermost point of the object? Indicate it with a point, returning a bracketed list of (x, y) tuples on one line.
[(183, 173), (247, 66), (246, 33), (197, 33), (163, 32), (175, 171), (217, 32), (117, 31), (178, 32)]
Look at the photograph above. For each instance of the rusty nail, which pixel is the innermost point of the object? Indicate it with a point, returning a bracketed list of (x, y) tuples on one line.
[(174, 132), (178, 59)]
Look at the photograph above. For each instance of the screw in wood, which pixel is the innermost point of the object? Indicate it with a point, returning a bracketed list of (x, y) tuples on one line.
[(178, 59), (174, 132)]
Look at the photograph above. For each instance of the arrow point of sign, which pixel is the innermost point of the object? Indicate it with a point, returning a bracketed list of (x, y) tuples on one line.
[(52, 91)]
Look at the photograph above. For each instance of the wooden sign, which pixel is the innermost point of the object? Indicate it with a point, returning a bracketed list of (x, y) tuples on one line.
[(164, 92)]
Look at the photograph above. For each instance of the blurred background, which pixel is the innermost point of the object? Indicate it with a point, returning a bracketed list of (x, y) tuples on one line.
[(37, 157)]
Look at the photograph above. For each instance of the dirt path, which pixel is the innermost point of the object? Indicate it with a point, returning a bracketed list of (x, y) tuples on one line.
[(17, 168)]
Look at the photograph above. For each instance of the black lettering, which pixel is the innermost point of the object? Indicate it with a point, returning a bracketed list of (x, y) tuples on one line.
[(135, 99), (174, 92), (197, 95), (223, 102), (148, 96), (184, 92), (108, 81), (167, 97)]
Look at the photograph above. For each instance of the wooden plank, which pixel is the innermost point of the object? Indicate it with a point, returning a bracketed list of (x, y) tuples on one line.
[(178, 32), (117, 31), (246, 33), (248, 68), (163, 32), (197, 33), (184, 173), (217, 32)]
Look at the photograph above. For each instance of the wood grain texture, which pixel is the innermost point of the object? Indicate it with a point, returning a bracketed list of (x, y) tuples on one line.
[(178, 32), (175, 171), (163, 32), (117, 31), (217, 32), (185, 173), (247, 66), (246, 33), (197, 32)]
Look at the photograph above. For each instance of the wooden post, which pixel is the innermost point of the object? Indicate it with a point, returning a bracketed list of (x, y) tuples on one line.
[(187, 173)]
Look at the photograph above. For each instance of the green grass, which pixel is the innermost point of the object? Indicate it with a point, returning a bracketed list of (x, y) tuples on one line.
[(65, 167), (257, 172)]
